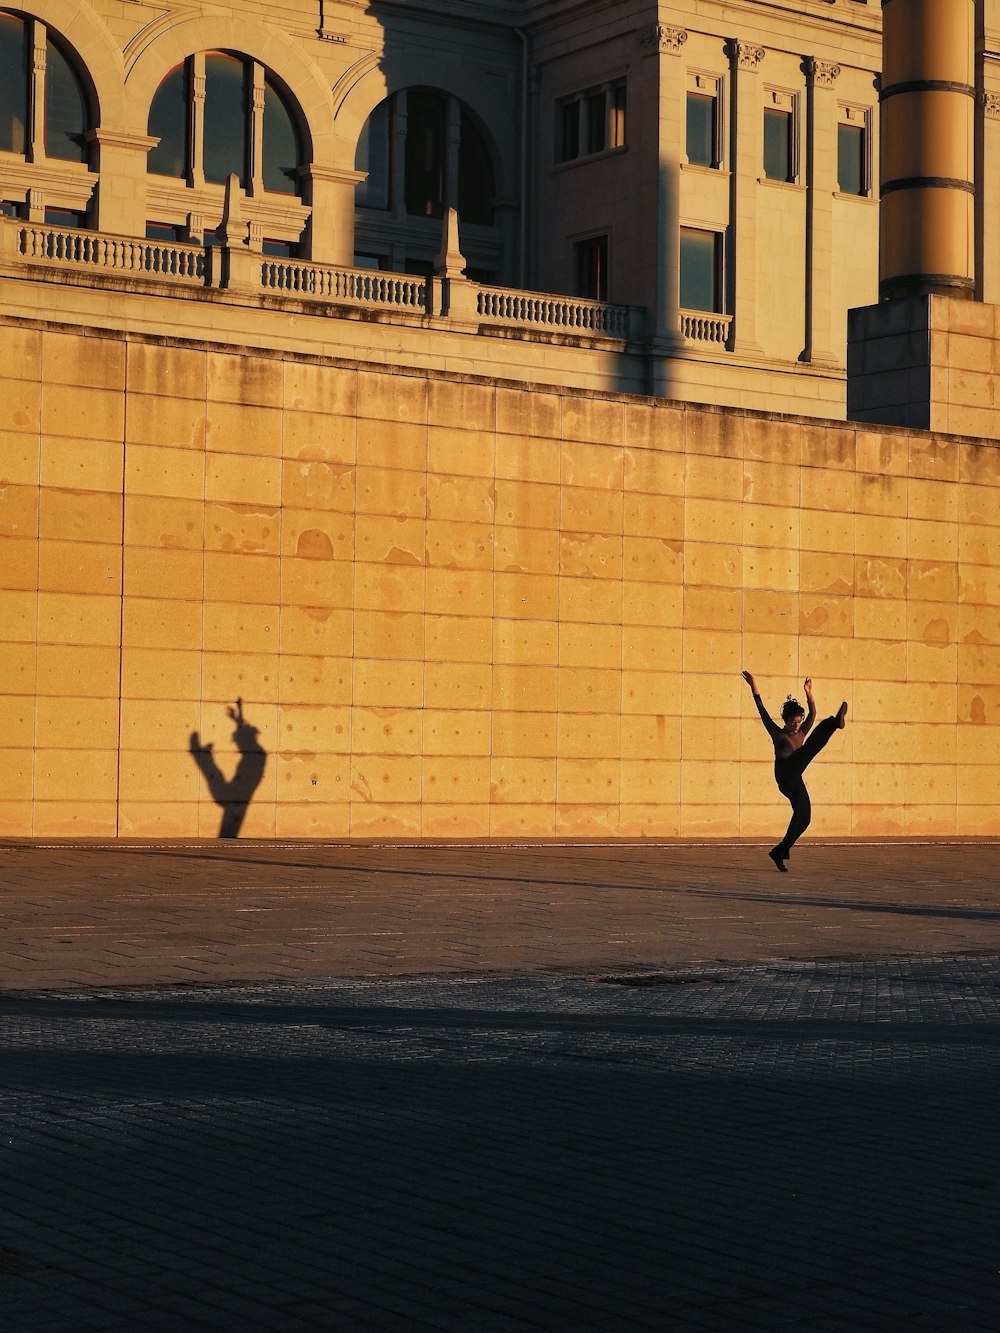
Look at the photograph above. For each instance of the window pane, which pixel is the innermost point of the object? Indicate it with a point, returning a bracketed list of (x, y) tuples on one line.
[(373, 156), (475, 175), (225, 119), (618, 116), (851, 159), (597, 122), (591, 258), (163, 231), (701, 130), (65, 217), (9, 209), (282, 152), (570, 131), (280, 249), (13, 84), (65, 108), (425, 153), (168, 121), (699, 270), (777, 145)]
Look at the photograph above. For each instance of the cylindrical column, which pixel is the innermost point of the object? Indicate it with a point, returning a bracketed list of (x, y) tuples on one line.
[(927, 237)]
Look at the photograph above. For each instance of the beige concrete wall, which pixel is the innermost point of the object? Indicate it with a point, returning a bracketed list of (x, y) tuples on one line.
[(453, 606)]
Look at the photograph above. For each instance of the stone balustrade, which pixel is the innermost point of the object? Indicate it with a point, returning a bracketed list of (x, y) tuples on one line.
[(102, 257), (698, 326), (37, 243)]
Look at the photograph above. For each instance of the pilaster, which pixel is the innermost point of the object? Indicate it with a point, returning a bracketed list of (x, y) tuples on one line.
[(331, 228), (746, 159), (120, 159), (821, 185), (666, 44)]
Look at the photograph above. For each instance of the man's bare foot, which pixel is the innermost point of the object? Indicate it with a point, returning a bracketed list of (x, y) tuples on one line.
[(842, 715), (778, 860)]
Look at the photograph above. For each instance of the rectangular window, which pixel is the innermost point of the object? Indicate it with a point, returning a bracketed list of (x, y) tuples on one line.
[(280, 249), (778, 165), (590, 259), (8, 209), (702, 129), (570, 126), (371, 261), (597, 122), (701, 285), (591, 122), (163, 231), (618, 116), (851, 159), (65, 217)]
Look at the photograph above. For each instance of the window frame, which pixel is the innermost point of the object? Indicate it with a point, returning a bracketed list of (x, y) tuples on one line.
[(601, 240), (718, 236), (781, 101), (707, 88), (34, 181), (574, 120), (858, 117)]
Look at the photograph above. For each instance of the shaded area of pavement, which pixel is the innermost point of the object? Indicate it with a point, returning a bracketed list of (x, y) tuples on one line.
[(76, 914), (790, 1145)]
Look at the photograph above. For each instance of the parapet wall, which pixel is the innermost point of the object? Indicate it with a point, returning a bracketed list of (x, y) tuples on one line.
[(454, 607)]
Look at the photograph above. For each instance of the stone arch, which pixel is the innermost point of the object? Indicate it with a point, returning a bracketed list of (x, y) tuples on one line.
[(374, 83), (97, 57), (162, 46)]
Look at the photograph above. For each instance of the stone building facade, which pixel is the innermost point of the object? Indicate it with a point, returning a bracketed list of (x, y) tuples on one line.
[(464, 392)]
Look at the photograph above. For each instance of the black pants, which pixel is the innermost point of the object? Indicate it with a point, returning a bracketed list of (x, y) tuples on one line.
[(788, 775)]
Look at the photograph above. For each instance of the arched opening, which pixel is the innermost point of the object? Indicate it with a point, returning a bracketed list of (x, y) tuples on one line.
[(215, 115), (220, 114), (38, 73), (424, 152)]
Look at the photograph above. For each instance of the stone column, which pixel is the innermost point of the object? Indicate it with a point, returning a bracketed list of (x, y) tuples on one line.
[(821, 184), (121, 190), (746, 164), (659, 42), (331, 227), (927, 240)]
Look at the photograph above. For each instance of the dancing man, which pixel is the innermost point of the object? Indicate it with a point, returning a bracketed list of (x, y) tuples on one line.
[(794, 751)]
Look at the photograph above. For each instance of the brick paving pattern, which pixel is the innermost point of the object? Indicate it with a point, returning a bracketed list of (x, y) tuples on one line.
[(793, 1145), (83, 915), (479, 1088)]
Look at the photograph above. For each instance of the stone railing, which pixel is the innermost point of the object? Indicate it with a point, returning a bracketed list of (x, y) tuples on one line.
[(36, 243), (554, 314), (353, 286), (700, 327), (241, 272)]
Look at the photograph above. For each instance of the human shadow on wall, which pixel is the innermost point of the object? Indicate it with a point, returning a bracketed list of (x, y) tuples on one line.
[(233, 794)]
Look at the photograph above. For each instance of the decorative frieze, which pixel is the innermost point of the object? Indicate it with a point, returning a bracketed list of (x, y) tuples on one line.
[(991, 105), (745, 55), (659, 38)]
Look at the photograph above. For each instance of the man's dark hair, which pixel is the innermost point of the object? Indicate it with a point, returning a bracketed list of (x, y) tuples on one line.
[(791, 708)]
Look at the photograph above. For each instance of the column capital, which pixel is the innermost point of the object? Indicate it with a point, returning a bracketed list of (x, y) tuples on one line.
[(744, 55), (824, 73), (658, 38)]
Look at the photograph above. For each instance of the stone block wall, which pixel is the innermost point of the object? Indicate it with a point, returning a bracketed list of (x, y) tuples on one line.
[(453, 607)]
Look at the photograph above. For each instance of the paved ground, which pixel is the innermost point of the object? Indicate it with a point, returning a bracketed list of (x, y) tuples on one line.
[(578, 1119), (120, 914), (783, 1146)]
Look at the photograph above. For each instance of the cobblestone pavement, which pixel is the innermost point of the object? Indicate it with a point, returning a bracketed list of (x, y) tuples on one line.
[(79, 915), (800, 1145)]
